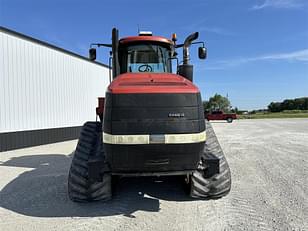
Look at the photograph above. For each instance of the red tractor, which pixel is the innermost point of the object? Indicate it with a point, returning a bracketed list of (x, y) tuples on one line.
[(151, 124)]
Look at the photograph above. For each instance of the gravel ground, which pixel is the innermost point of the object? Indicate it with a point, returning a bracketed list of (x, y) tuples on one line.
[(269, 164)]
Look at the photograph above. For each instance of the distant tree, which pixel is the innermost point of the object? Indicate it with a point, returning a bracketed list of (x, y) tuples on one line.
[(275, 107), (300, 104), (206, 106), (235, 110), (219, 102), (305, 106), (289, 104)]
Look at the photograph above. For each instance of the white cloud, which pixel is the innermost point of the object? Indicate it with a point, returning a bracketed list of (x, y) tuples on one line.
[(279, 4), (202, 26), (301, 55), (295, 56), (215, 30)]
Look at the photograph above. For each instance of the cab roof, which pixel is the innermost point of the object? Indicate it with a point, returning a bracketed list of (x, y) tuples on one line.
[(133, 39)]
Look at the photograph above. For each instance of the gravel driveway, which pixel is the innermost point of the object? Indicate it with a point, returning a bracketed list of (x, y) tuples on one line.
[(269, 164)]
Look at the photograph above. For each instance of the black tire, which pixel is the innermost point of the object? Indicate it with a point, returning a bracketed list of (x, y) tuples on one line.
[(215, 186), (80, 187), (229, 120)]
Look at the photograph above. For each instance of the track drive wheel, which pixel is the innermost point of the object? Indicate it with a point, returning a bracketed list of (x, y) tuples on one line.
[(217, 185), (80, 187)]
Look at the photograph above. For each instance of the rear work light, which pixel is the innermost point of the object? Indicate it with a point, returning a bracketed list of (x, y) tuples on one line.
[(145, 33)]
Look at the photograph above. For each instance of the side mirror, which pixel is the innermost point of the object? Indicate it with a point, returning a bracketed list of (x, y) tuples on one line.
[(92, 54), (202, 53)]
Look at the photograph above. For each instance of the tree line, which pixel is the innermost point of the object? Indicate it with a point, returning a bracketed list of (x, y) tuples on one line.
[(289, 104), (219, 102)]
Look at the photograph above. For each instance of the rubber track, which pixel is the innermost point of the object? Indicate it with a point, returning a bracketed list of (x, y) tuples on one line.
[(217, 185), (80, 188)]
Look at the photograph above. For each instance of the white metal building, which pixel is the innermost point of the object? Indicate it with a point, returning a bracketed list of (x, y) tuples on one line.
[(46, 93)]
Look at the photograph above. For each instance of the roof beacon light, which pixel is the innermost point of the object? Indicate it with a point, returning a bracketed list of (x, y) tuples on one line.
[(145, 33), (174, 37)]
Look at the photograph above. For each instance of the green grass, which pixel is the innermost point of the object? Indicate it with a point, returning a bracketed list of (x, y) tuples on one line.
[(285, 114)]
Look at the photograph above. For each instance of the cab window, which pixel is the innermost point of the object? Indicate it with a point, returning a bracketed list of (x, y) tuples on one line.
[(145, 58)]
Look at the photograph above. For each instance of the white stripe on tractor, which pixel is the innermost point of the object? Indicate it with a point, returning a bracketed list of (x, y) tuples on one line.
[(155, 139)]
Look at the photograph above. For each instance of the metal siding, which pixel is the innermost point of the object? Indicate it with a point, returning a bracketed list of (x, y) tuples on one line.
[(44, 88), (22, 139)]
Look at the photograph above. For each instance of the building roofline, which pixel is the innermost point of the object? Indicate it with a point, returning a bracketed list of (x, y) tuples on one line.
[(37, 41)]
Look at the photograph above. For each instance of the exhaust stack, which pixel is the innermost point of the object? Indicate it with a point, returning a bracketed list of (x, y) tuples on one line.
[(115, 55), (186, 46), (186, 70)]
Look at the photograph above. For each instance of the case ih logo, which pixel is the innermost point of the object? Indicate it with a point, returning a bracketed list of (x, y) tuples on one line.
[(177, 115)]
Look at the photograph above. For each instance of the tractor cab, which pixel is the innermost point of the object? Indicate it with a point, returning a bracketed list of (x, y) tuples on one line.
[(145, 53), (148, 53)]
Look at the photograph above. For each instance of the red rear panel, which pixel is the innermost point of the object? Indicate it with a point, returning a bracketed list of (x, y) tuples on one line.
[(154, 105), (151, 83)]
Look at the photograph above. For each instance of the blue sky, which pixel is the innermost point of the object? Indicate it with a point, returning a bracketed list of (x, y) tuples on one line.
[(257, 49)]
